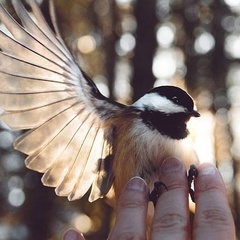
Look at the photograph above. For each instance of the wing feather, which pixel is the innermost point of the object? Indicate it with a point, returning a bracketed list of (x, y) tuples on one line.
[(13, 83), (43, 89), (15, 48), (31, 42), (33, 118), (87, 177), (79, 158), (103, 180), (66, 159), (36, 139)]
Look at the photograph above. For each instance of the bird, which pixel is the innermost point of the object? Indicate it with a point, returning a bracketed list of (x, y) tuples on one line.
[(76, 137)]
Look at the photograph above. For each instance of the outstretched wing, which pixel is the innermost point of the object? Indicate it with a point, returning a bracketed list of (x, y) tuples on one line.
[(44, 90)]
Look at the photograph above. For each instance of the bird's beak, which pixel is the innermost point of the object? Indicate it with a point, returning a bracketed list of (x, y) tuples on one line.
[(194, 113)]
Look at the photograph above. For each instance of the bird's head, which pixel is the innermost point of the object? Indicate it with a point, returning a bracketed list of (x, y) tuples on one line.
[(167, 109)]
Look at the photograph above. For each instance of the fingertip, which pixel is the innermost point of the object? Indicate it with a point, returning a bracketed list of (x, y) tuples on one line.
[(207, 168), (212, 208), (208, 178), (172, 173), (137, 184), (73, 234), (171, 164), (135, 191)]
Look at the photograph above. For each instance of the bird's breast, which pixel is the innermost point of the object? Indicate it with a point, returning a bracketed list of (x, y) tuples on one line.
[(138, 150)]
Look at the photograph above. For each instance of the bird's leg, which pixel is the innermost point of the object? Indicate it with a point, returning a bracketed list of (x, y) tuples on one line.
[(192, 174), (156, 192)]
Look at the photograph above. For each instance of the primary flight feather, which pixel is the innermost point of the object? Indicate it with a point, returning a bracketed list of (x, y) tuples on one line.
[(77, 137)]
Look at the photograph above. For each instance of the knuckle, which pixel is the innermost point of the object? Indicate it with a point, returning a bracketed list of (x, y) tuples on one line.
[(133, 200), (169, 221), (217, 216), (178, 184), (131, 203)]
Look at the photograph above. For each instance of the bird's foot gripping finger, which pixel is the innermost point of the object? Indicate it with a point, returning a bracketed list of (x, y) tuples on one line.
[(192, 174), (156, 192)]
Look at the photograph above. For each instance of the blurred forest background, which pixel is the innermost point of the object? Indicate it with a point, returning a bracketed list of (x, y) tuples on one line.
[(127, 47)]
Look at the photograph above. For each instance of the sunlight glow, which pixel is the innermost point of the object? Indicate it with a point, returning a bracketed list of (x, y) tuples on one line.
[(204, 146), (164, 64)]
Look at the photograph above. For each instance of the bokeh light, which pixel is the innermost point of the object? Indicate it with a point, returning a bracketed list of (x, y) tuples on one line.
[(232, 46), (233, 4), (82, 222), (86, 44), (16, 197), (6, 139), (11, 162), (122, 87), (166, 62), (204, 43), (166, 35), (125, 44)]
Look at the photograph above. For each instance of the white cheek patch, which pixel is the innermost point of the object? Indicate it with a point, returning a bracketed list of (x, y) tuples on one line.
[(155, 102)]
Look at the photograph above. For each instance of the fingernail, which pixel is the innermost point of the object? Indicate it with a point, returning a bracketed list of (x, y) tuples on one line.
[(138, 184), (72, 234), (208, 170), (208, 177), (171, 164)]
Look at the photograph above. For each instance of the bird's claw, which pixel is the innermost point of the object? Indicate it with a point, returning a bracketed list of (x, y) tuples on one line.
[(192, 174), (156, 192)]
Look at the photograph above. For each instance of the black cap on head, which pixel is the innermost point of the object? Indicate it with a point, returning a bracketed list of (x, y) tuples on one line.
[(176, 95)]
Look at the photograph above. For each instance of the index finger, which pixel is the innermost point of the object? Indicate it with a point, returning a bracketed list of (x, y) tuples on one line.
[(213, 218)]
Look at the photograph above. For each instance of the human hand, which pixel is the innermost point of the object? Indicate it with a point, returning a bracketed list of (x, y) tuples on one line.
[(213, 218)]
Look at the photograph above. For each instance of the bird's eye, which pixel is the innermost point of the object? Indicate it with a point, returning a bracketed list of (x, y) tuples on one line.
[(175, 99)]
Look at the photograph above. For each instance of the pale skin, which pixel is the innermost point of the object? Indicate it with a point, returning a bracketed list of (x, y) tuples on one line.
[(213, 218)]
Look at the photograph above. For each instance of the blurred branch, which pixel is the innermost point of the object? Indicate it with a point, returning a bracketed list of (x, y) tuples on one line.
[(143, 78)]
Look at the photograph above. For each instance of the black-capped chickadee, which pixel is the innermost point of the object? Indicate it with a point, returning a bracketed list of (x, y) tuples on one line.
[(78, 138)]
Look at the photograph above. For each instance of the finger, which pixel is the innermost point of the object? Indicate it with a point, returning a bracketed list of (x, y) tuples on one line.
[(132, 210), (213, 218), (171, 219), (73, 234)]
